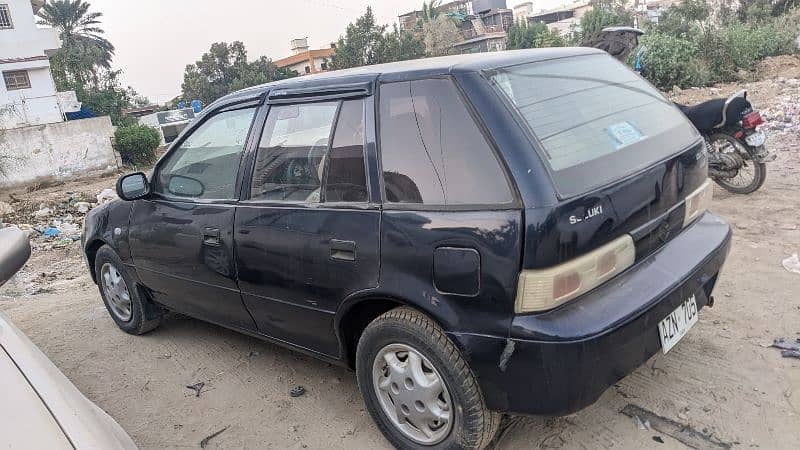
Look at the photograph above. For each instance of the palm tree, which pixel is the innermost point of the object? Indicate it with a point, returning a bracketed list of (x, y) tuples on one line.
[(79, 29), (429, 10)]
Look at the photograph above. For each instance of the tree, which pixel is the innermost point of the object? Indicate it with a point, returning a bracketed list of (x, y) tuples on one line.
[(224, 69), (430, 11), (604, 13), (398, 45), (366, 43), (532, 35), (83, 49), (439, 36), (106, 96)]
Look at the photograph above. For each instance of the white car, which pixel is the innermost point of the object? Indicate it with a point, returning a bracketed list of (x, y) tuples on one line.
[(40, 407)]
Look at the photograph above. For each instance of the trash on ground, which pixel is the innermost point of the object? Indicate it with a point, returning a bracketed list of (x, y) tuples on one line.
[(297, 391), (658, 439), (42, 212), (683, 433), (790, 353), (783, 344), (792, 263), (197, 388), (106, 196), (204, 442), (51, 232), (83, 207)]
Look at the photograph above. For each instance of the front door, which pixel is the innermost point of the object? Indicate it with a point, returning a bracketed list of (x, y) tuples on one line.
[(307, 236), (182, 236)]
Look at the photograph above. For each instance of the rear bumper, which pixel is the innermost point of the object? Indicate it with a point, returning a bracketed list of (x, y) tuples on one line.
[(563, 360)]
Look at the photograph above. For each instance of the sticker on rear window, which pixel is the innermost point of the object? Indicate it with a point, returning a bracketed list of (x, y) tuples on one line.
[(624, 134)]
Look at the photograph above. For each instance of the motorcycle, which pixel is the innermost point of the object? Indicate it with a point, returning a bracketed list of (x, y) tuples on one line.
[(737, 156)]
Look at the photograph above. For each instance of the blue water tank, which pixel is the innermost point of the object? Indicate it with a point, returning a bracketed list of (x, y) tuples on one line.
[(197, 106)]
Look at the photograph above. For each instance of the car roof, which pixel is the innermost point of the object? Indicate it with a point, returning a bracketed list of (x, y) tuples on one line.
[(416, 68)]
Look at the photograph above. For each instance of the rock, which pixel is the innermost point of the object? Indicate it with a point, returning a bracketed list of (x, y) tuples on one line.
[(106, 196), (83, 207), (5, 209), (42, 212)]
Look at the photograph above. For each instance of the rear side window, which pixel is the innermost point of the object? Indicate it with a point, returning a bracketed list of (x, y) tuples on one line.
[(431, 149), (595, 119)]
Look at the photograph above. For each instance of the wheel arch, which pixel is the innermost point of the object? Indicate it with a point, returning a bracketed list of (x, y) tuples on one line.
[(91, 250), (356, 313)]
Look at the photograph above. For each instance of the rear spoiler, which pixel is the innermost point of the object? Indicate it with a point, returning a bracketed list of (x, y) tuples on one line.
[(14, 252)]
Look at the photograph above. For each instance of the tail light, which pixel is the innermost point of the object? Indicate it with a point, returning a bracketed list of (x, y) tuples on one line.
[(752, 120), (544, 289), (698, 202)]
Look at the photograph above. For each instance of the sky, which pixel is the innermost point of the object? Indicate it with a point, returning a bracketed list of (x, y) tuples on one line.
[(156, 39)]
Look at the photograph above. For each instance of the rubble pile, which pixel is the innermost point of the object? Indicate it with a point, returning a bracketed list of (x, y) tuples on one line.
[(54, 222), (782, 114)]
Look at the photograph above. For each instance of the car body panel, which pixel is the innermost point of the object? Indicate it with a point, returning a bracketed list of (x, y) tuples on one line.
[(289, 274), (84, 425), (180, 269), (562, 360), (25, 422)]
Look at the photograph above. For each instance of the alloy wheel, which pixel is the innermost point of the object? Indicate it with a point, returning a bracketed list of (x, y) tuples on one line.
[(117, 293)]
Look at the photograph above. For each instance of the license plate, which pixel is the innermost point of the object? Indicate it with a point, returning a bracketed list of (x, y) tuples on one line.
[(756, 139), (675, 326)]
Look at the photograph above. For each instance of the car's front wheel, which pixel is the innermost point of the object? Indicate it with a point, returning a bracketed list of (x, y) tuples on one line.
[(125, 304), (418, 388)]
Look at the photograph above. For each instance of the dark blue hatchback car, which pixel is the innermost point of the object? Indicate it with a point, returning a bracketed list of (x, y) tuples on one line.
[(475, 235)]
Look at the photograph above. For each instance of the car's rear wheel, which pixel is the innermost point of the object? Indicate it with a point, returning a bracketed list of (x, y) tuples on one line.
[(418, 388), (122, 298)]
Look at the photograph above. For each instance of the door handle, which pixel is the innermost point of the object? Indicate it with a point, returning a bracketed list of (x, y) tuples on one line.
[(343, 250), (211, 237)]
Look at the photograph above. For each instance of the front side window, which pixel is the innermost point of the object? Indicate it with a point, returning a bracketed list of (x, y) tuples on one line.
[(432, 150), (16, 80), (5, 17), (205, 165), (308, 155)]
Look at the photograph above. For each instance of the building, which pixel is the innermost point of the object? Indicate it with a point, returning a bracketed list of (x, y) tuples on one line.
[(563, 18), (28, 94), (483, 23), (36, 143), (169, 124), (522, 11), (304, 60)]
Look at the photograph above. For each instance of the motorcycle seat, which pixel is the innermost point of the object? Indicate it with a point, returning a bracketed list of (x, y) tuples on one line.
[(708, 115)]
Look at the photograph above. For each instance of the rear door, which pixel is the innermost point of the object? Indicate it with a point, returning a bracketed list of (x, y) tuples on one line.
[(307, 232), (621, 157), (182, 236)]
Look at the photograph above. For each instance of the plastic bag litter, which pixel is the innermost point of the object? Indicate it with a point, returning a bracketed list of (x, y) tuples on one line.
[(792, 264), (106, 196)]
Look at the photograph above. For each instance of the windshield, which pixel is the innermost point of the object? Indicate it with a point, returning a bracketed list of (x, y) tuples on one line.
[(594, 119)]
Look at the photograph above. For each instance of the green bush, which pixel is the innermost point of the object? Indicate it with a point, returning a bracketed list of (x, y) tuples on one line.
[(672, 61), (137, 144), (686, 50), (747, 44)]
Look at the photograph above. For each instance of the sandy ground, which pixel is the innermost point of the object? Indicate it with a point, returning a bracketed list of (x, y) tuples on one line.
[(719, 388)]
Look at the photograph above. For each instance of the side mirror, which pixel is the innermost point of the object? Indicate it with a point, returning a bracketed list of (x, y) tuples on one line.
[(185, 186), (133, 186), (14, 252)]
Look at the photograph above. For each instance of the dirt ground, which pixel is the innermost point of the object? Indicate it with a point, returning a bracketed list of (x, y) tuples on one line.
[(721, 387)]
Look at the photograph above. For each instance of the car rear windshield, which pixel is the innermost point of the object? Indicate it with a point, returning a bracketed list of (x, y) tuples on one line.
[(594, 119)]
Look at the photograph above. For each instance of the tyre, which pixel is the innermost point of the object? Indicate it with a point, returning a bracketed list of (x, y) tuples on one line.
[(132, 313), (417, 386), (751, 176)]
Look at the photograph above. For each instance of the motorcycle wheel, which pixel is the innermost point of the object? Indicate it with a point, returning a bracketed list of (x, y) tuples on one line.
[(751, 175)]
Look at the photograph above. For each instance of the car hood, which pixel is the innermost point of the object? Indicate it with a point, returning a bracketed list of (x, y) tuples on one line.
[(73, 420)]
